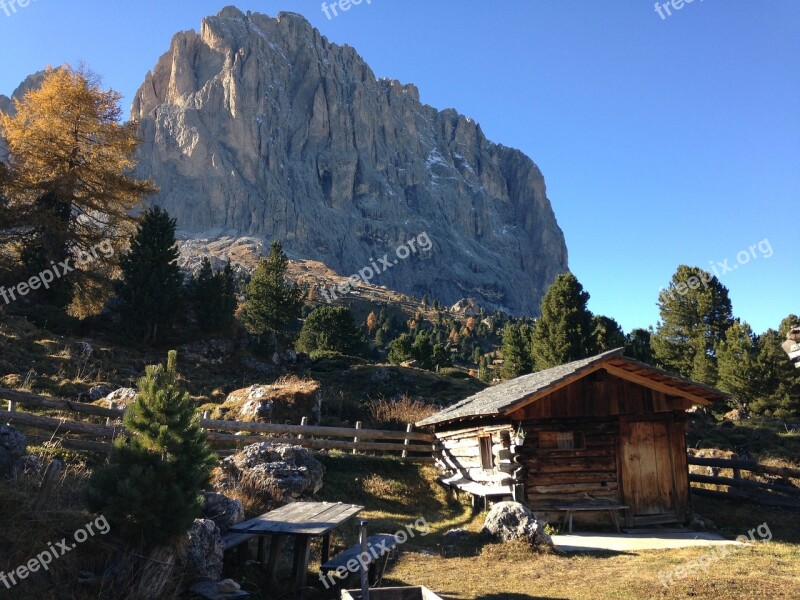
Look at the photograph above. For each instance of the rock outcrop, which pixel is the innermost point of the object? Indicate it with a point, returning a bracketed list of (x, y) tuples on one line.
[(7, 106), (287, 400), (280, 472), (510, 521), (261, 126)]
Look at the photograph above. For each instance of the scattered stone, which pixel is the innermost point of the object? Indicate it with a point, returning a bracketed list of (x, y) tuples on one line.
[(511, 521), (222, 590), (288, 472), (96, 392), (228, 586), (225, 512), (122, 397), (13, 447), (457, 535)]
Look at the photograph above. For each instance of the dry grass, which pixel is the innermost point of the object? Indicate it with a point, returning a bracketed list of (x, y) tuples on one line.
[(399, 411), (26, 533)]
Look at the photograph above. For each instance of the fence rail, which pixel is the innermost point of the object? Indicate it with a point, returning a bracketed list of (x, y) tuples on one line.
[(413, 446), (781, 493)]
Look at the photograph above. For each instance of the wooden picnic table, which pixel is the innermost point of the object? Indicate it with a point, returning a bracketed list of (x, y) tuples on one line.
[(301, 520)]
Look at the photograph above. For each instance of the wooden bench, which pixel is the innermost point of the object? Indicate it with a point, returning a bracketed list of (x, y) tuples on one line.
[(379, 547), (613, 509), (477, 490), (238, 540)]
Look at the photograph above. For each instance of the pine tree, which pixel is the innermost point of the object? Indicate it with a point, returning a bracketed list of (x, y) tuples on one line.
[(694, 318), (637, 345), (273, 304), (483, 370), (150, 489), (151, 284), (564, 331), (400, 350), (331, 329), (607, 334), (214, 294), (70, 181), (516, 351), (778, 381), (736, 360)]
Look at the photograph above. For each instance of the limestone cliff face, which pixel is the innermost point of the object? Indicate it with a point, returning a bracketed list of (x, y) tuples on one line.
[(262, 126), (7, 106)]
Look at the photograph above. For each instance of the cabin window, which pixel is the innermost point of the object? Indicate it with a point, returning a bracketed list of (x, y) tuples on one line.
[(487, 458), (562, 440)]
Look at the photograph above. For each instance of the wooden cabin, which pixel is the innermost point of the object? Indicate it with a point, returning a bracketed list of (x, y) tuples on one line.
[(606, 432)]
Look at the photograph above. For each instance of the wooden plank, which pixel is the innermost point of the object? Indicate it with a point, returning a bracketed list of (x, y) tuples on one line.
[(654, 385), (572, 487), (294, 430), (763, 498), (69, 443), (744, 483), (665, 478), (59, 425), (746, 465), (36, 401), (604, 463), (382, 543), (579, 477), (680, 470), (316, 444), (630, 465)]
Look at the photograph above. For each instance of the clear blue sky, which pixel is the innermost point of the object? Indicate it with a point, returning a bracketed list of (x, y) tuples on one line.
[(662, 141)]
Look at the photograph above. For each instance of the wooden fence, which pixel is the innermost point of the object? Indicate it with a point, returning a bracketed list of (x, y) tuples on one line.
[(781, 492), (224, 436)]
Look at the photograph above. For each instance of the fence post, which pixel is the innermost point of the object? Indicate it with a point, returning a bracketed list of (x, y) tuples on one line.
[(205, 417), (406, 441), (112, 406), (303, 423), (355, 439), (12, 406)]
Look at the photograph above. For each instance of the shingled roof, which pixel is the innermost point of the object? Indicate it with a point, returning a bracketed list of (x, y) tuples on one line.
[(510, 395)]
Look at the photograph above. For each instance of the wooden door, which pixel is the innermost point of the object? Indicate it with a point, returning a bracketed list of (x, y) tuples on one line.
[(648, 472)]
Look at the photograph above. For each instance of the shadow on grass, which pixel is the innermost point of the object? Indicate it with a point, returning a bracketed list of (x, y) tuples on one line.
[(505, 596)]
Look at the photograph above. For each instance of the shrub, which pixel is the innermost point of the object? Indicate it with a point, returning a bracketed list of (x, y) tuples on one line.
[(150, 489)]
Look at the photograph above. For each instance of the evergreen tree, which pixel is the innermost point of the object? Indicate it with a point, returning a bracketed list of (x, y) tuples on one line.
[(151, 283), (400, 350), (70, 182), (564, 331), (736, 360), (331, 329), (476, 354), (517, 358), (787, 324), (607, 334), (778, 381), (637, 345), (150, 490), (483, 370), (214, 294), (695, 313), (273, 304)]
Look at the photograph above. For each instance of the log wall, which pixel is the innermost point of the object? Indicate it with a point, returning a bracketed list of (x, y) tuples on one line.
[(461, 450), (568, 476)]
